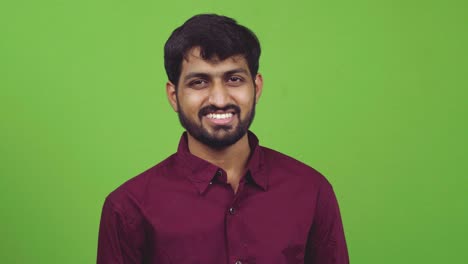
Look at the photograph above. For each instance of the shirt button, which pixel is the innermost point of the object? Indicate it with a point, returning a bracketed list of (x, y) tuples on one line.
[(232, 211), (219, 173), (238, 262)]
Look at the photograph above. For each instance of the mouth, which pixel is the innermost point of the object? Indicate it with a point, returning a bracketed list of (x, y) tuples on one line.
[(220, 117)]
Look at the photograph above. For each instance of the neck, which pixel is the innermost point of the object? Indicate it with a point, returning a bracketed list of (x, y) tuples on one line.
[(232, 159)]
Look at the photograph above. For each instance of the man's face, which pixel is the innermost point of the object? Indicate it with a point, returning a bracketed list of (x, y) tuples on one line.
[(215, 100)]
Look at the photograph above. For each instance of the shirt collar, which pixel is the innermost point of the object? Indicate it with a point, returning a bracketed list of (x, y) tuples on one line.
[(200, 172)]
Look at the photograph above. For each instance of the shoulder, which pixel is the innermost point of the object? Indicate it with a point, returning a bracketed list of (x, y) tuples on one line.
[(133, 193), (282, 165)]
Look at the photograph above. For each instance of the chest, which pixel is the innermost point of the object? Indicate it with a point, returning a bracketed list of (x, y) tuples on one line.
[(251, 226)]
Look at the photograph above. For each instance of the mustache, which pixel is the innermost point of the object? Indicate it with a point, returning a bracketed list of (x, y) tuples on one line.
[(211, 108)]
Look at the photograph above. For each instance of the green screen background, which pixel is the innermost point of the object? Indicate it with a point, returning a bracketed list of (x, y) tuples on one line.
[(370, 93)]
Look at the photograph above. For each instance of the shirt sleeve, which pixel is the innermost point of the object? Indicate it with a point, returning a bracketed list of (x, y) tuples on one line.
[(120, 240), (326, 242)]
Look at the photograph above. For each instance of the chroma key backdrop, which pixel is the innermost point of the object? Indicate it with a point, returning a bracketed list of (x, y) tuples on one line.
[(373, 94)]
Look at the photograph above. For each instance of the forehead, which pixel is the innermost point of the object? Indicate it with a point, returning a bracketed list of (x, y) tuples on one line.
[(193, 62)]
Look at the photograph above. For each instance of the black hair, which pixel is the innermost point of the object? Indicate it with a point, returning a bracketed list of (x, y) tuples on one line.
[(217, 36)]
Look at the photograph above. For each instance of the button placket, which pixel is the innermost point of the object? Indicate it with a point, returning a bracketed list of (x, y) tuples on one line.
[(233, 224)]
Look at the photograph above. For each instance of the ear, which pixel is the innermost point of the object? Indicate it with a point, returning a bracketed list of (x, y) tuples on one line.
[(172, 95), (259, 86)]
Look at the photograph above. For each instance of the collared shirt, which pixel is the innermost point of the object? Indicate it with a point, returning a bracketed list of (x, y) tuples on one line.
[(183, 211)]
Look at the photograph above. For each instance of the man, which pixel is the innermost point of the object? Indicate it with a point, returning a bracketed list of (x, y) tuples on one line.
[(222, 198)]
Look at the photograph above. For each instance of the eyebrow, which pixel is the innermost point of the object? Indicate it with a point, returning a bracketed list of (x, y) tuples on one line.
[(205, 75)]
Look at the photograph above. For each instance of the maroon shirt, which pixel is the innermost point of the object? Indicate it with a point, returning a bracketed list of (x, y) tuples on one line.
[(183, 211)]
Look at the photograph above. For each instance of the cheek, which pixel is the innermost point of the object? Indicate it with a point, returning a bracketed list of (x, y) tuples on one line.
[(245, 100), (243, 94), (190, 103)]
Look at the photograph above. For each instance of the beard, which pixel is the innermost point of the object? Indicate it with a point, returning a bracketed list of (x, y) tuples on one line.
[(222, 136)]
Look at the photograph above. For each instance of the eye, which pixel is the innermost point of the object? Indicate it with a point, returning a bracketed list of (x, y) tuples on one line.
[(198, 84), (235, 80)]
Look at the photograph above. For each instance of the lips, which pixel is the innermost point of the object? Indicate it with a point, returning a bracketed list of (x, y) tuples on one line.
[(220, 118), (210, 109)]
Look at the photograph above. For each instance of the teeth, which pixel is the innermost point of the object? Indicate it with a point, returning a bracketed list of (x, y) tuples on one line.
[(219, 116)]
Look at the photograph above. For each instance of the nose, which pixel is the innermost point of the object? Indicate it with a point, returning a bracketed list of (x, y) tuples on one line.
[(219, 95)]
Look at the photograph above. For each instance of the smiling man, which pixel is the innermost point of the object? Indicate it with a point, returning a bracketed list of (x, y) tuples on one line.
[(221, 198)]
